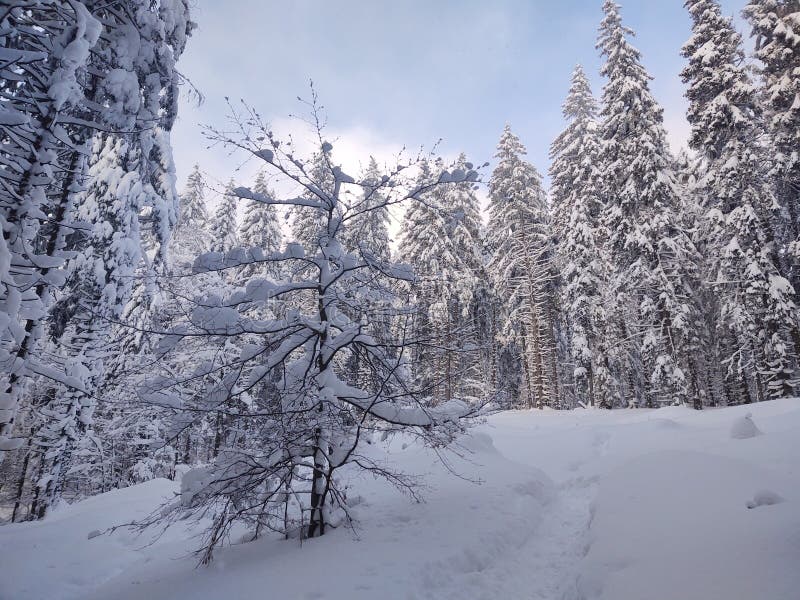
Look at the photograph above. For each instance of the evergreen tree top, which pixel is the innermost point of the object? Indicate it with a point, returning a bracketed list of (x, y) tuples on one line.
[(516, 197), (580, 111), (580, 103), (627, 78), (719, 91), (509, 145), (633, 139), (224, 229), (193, 211)]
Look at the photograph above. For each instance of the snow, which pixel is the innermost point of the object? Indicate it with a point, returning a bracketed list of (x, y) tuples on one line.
[(64, 85), (744, 428), (558, 505), (266, 154)]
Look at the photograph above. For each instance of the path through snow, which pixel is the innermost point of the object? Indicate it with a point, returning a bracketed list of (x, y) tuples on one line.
[(583, 505)]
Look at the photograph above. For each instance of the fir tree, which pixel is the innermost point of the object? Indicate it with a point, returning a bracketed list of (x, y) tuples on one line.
[(306, 220), (260, 227), (99, 287), (366, 234), (369, 227), (80, 69)]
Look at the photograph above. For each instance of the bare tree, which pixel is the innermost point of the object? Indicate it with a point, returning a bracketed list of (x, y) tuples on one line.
[(292, 419)]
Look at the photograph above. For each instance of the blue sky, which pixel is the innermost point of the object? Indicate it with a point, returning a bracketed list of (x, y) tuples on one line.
[(411, 72)]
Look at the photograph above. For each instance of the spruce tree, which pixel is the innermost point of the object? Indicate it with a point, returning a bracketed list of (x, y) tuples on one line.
[(192, 234), (307, 220), (776, 28), (756, 307), (260, 227), (77, 69), (464, 228), (436, 238), (225, 228), (521, 266), (575, 205), (366, 233), (369, 227), (651, 256)]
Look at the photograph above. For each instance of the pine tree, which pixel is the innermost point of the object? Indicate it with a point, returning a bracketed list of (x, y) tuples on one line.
[(464, 228), (366, 233), (259, 228), (756, 307), (422, 223), (99, 286), (520, 241), (130, 189), (576, 204), (73, 79), (51, 43), (651, 256)]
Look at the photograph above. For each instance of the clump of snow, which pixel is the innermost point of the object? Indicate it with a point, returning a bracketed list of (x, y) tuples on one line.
[(479, 442), (744, 428), (7, 444), (266, 154), (192, 483), (764, 498)]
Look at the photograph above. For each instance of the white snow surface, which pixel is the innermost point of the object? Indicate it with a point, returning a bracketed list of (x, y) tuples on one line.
[(624, 505)]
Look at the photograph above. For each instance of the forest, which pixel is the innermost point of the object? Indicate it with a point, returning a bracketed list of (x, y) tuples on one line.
[(257, 347)]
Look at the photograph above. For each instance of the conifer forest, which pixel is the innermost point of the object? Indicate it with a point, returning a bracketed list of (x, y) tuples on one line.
[(247, 357)]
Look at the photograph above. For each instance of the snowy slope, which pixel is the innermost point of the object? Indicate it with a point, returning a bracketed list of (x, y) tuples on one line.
[(623, 505)]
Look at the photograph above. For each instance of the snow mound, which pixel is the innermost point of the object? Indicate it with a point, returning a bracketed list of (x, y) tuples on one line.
[(744, 428), (479, 443), (764, 498)]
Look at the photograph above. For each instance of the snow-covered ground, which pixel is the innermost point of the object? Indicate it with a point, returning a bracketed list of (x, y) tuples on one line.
[(626, 505)]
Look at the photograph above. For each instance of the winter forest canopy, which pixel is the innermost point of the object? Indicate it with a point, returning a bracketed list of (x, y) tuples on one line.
[(255, 335)]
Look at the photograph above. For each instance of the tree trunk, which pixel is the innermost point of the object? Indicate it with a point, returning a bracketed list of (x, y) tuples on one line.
[(22, 478)]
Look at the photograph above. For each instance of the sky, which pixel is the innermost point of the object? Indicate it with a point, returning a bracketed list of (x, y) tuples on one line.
[(409, 73)]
